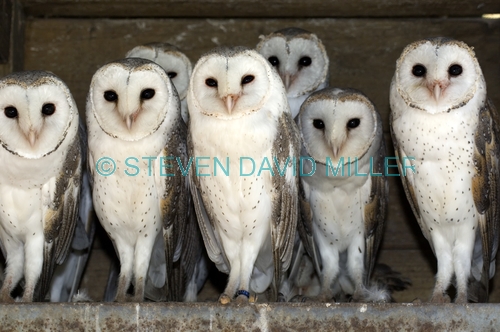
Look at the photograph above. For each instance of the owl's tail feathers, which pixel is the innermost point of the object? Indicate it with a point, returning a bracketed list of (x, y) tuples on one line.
[(112, 283), (479, 280), (478, 292), (385, 281)]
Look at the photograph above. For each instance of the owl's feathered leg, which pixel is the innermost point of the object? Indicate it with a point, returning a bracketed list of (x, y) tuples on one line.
[(232, 285), (329, 274), (33, 257), (247, 261), (445, 267), (462, 256), (126, 255), (233, 282), (355, 266), (14, 270), (143, 250)]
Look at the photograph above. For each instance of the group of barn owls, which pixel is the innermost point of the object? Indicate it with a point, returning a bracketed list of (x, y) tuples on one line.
[(306, 226)]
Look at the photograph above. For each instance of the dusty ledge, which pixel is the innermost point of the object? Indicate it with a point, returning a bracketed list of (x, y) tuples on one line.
[(252, 317)]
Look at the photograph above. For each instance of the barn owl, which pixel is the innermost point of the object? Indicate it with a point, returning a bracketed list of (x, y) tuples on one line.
[(345, 188), (136, 137), (40, 180), (445, 134), (248, 215), (176, 64), (301, 61)]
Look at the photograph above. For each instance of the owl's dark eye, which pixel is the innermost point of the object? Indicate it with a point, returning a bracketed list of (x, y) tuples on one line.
[(211, 82), (147, 94), (353, 123), (48, 109), (455, 70), (110, 95), (419, 70), (273, 60), (247, 79), (305, 61), (10, 112), (172, 74), (318, 124)]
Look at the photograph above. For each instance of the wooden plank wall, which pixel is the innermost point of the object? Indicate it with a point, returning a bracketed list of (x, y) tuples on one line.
[(363, 39), (5, 25), (259, 8), (11, 36)]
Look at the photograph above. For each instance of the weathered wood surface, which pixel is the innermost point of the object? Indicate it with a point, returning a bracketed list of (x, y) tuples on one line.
[(5, 24), (258, 8), (11, 37)]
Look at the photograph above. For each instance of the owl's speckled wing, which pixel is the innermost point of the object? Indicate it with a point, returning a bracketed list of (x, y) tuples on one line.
[(286, 203), (486, 192), (305, 229), (206, 220), (60, 216), (67, 277), (179, 232), (375, 211)]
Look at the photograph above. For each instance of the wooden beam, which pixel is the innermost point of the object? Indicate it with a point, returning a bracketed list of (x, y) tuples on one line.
[(5, 27), (11, 37), (259, 8)]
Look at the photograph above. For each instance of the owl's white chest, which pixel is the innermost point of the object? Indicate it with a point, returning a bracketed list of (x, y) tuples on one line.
[(21, 212), (30, 173), (441, 147), (338, 206), (240, 200), (127, 202), (24, 191)]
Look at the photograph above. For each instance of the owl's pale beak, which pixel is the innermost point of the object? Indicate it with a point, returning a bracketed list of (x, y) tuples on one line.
[(230, 100), (32, 137), (437, 91), (336, 150), (131, 119), (287, 81), (337, 142), (437, 87)]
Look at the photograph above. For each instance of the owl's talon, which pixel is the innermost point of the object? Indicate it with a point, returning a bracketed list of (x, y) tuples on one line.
[(241, 299), (300, 299), (461, 298), (7, 299), (440, 298), (224, 299)]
